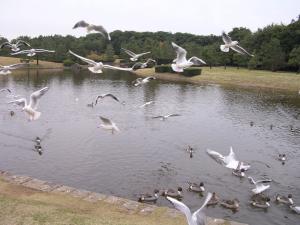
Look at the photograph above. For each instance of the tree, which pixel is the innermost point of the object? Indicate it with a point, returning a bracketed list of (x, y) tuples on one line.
[(294, 58), (109, 53), (272, 55)]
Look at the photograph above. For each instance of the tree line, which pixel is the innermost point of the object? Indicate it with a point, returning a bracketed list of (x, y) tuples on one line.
[(275, 47)]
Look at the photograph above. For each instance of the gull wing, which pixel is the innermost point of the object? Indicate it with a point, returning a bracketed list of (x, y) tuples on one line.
[(20, 42), (173, 115), (106, 121), (216, 156), (263, 181), (5, 89), (143, 53), (112, 96), (116, 68), (156, 117), (137, 66), (200, 216), (101, 30), (182, 208), (89, 61), (20, 52), (43, 50), (81, 23), (35, 96), (196, 61), (130, 53), (22, 102), (226, 38), (181, 52), (149, 78), (241, 50), (5, 44), (18, 65)]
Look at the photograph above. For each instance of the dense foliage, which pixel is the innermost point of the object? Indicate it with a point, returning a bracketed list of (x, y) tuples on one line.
[(276, 47)]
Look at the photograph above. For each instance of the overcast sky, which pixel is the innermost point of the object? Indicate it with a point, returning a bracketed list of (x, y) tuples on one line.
[(41, 17)]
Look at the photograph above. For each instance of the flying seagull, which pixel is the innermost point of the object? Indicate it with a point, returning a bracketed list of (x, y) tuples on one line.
[(31, 108), (259, 185), (140, 81), (165, 117), (109, 125), (181, 63), (5, 89), (4, 70), (108, 95), (233, 45), (32, 52), (198, 217), (228, 161), (97, 67), (14, 47), (91, 27), (140, 65), (134, 56), (147, 103)]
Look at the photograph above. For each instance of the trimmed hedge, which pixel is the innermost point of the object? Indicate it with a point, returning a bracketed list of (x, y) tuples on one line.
[(164, 69), (192, 71), (68, 62)]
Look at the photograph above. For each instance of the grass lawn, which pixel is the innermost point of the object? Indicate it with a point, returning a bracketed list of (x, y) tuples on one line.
[(235, 77), (42, 64)]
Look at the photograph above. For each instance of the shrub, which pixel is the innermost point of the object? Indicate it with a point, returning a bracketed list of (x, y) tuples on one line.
[(192, 71), (68, 62), (163, 69)]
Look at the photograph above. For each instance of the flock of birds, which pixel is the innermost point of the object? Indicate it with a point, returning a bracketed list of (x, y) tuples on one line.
[(180, 63)]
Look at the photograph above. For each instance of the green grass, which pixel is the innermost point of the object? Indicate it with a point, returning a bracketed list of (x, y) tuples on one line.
[(235, 77), (42, 64)]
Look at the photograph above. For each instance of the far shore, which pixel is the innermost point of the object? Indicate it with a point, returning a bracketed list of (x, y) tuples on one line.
[(234, 77)]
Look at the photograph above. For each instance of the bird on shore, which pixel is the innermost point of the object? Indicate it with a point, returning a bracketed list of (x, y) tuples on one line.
[(30, 109), (5, 70), (198, 217), (145, 104), (14, 46), (164, 117), (140, 81), (108, 95), (259, 185), (97, 67), (134, 56), (181, 63), (33, 52), (90, 27), (230, 161), (109, 125), (233, 45)]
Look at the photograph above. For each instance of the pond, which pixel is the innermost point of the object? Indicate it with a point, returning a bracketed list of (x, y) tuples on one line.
[(149, 153)]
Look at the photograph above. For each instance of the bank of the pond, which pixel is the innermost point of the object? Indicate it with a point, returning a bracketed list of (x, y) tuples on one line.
[(28, 201), (32, 64), (234, 77)]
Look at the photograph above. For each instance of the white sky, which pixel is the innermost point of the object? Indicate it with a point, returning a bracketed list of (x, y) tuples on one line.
[(41, 17)]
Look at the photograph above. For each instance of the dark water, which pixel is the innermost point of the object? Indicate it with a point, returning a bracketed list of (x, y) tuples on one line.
[(147, 153)]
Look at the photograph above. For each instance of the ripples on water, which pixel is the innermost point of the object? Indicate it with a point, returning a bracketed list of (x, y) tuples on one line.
[(147, 153)]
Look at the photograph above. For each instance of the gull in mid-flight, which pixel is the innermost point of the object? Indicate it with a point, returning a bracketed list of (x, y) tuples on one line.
[(31, 108), (259, 185), (147, 103), (32, 52), (165, 117), (140, 65), (97, 67), (134, 56), (14, 47), (109, 125), (140, 81), (233, 45), (5, 89), (228, 161), (108, 95), (181, 63), (198, 217), (4, 70), (90, 27)]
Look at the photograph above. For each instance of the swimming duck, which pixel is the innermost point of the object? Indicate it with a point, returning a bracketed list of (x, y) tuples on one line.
[(261, 204), (39, 149), (190, 150), (271, 126), (238, 171), (173, 194), (11, 113), (230, 204), (251, 123), (296, 209), (90, 105), (199, 188), (285, 200), (214, 200), (38, 140), (282, 157), (149, 197)]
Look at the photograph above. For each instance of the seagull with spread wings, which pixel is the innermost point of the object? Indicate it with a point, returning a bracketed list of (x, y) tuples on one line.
[(90, 27), (33, 52), (4, 70), (108, 95), (259, 185), (97, 67), (165, 116), (5, 89), (198, 217), (109, 125), (134, 56), (233, 45), (31, 108), (140, 81), (16, 46), (181, 63)]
